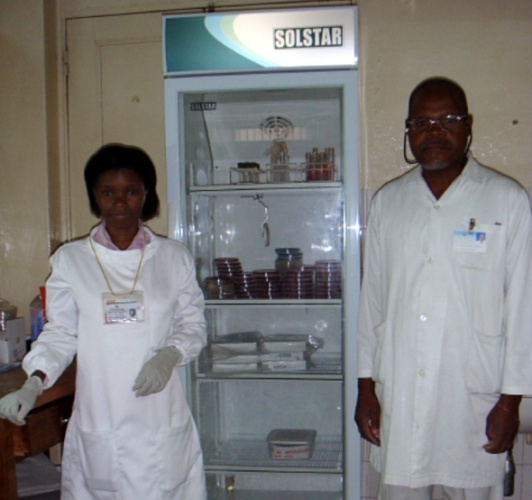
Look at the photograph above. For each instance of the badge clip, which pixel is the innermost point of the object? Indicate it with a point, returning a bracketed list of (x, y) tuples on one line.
[(472, 224)]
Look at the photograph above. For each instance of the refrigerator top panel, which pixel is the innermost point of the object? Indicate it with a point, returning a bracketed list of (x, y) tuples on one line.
[(260, 41)]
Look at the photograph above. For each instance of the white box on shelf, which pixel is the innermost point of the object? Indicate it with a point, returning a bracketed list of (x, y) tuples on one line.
[(13, 341), (291, 444)]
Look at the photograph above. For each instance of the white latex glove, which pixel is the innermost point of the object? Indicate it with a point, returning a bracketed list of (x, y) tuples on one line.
[(17, 405), (156, 373)]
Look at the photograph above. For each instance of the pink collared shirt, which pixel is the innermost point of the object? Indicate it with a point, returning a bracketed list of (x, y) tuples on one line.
[(140, 241)]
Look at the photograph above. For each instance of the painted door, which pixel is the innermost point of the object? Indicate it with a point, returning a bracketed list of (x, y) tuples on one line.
[(115, 94)]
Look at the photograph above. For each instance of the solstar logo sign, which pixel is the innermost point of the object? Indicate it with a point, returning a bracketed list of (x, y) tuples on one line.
[(304, 38), (261, 41)]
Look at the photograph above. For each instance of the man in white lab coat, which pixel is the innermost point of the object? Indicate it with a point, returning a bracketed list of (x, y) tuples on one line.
[(445, 347)]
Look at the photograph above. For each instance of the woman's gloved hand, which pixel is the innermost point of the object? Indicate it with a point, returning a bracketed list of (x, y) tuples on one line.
[(156, 373), (18, 404)]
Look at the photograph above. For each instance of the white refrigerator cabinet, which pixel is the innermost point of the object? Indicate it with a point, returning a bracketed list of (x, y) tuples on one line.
[(271, 218)]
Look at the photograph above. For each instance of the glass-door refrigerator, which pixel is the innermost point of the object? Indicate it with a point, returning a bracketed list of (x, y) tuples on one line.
[(262, 169)]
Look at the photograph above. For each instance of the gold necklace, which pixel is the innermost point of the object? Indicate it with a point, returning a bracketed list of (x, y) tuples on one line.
[(117, 294)]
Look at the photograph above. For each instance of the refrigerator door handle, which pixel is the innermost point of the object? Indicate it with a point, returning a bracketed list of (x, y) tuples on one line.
[(175, 223)]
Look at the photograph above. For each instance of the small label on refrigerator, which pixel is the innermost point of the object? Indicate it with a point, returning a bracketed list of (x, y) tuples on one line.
[(202, 106)]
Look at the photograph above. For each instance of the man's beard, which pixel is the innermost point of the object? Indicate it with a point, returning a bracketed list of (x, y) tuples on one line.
[(436, 165)]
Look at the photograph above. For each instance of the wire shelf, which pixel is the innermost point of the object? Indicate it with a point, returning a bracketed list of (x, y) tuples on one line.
[(252, 453), (321, 364), (274, 495)]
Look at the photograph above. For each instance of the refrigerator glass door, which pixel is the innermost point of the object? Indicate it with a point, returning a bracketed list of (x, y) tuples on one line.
[(263, 189)]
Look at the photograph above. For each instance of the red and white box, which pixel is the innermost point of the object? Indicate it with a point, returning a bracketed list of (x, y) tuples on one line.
[(291, 444)]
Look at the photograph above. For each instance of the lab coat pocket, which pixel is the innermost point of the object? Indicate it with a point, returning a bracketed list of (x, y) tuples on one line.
[(487, 250), (177, 449), (486, 359), (99, 461)]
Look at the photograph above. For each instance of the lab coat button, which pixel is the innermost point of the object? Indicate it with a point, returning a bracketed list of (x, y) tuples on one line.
[(436, 207), (423, 317), (430, 260), (421, 373)]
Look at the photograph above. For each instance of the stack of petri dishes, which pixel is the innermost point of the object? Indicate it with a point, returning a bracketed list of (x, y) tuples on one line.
[(268, 284), (230, 268), (217, 288), (328, 279), (288, 258), (299, 283), (246, 289)]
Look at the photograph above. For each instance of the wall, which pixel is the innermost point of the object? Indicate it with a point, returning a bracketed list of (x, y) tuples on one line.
[(24, 217), (482, 44)]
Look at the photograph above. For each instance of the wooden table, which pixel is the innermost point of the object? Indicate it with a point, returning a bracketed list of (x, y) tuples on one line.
[(45, 425)]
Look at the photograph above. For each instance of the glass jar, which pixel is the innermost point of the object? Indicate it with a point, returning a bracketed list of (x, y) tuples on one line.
[(288, 258)]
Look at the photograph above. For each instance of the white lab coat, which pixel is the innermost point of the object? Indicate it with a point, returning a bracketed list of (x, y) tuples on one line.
[(443, 332), (118, 446)]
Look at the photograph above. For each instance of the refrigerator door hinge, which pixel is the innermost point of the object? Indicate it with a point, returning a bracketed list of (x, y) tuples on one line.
[(65, 62)]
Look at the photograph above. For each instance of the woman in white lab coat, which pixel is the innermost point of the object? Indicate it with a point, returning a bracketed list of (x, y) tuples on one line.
[(127, 303)]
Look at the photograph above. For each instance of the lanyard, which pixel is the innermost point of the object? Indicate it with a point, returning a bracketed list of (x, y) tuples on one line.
[(107, 279)]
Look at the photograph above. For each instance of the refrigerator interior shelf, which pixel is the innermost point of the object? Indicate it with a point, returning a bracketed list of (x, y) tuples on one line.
[(289, 303), (219, 494), (324, 365), (251, 453), (229, 189)]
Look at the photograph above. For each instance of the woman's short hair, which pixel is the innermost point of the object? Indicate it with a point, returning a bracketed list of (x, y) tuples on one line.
[(120, 156)]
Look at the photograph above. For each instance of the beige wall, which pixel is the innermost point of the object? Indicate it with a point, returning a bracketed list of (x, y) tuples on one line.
[(23, 152), (483, 44)]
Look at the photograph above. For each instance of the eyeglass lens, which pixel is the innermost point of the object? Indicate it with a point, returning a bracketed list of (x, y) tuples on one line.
[(449, 122)]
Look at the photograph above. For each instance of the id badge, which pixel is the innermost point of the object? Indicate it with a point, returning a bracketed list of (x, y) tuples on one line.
[(123, 308), (469, 241)]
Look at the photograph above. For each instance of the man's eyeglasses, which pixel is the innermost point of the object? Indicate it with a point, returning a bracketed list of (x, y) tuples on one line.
[(448, 122)]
